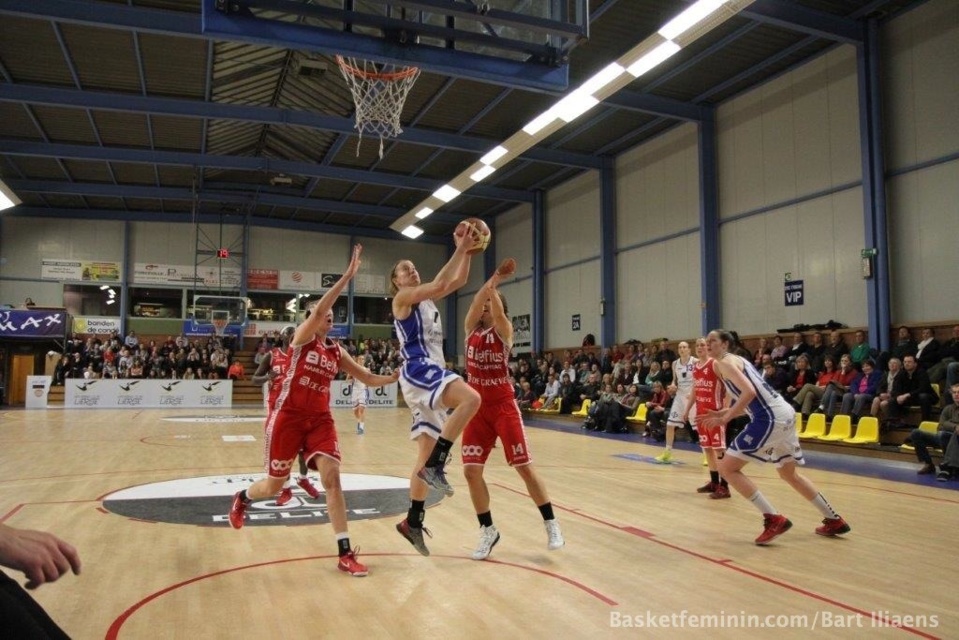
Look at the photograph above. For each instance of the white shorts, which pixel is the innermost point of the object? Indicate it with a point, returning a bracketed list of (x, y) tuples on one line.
[(360, 399), (768, 441), (422, 383), (676, 412)]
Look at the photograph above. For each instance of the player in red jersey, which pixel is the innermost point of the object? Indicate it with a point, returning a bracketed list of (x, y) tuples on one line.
[(488, 344), (269, 373), (709, 394), (301, 418)]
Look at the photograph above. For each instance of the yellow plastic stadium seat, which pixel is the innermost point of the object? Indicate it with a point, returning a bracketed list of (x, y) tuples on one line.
[(867, 432), (815, 427), (583, 410), (840, 429), (799, 424), (640, 415), (926, 425)]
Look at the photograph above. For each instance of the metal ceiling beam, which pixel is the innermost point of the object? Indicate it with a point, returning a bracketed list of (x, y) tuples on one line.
[(119, 16), (207, 218), (72, 98), (793, 16), (242, 163)]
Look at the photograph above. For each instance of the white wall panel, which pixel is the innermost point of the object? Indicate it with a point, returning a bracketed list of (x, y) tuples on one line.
[(845, 158), (921, 82), (811, 126), (284, 249), (176, 243), (28, 241), (778, 140), (572, 221), (570, 291), (924, 260)]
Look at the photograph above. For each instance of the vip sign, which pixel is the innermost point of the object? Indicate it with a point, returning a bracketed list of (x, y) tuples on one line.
[(206, 501)]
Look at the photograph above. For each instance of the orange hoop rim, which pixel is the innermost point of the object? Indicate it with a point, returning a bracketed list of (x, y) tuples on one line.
[(219, 325), (392, 76)]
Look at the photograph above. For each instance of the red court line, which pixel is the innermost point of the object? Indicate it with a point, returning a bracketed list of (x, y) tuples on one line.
[(114, 630), (728, 564)]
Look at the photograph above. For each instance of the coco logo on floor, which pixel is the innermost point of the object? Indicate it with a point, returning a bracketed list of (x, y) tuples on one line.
[(205, 501)]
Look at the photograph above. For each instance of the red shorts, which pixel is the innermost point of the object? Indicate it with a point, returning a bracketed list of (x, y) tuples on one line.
[(289, 433), (500, 420), (712, 437)]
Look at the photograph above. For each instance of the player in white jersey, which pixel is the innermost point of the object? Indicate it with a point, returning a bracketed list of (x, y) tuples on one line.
[(429, 388), (770, 436), (359, 397), (682, 389)]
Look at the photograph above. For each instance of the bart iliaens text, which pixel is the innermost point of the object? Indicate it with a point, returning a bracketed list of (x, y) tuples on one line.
[(743, 620)]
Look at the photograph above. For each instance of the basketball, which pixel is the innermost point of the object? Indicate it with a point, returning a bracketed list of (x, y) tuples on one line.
[(478, 230)]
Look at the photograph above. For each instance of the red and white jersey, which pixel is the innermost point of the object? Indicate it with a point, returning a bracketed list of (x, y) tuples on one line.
[(279, 363), (708, 388), (306, 386), (487, 365)]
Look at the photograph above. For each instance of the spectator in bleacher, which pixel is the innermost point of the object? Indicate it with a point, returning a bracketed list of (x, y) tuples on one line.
[(590, 390), (551, 395), (236, 372), (762, 350), (802, 375), (665, 353), (836, 346), (817, 353), (916, 391), (861, 392), (779, 349), (131, 341), (775, 377), (927, 351), (890, 385), (904, 346), (811, 394), (666, 372), (950, 353), (567, 392), (657, 411), (527, 396), (798, 348), (136, 369), (838, 386), (61, 371), (625, 406), (109, 371), (861, 350), (948, 427), (654, 375)]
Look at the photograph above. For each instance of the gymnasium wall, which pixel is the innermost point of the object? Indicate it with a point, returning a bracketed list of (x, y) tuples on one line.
[(920, 69)]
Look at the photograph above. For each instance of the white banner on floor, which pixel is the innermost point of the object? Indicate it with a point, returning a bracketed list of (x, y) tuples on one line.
[(146, 394)]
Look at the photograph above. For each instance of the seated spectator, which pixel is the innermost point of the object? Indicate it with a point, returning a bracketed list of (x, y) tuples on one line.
[(527, 396), (567, 394), (916, 391), (802, 376), (779, 350), (136, 369), (655, 375), (236, 372), (762, 350), (927, 351), (626, 403), (817, 353), (811, 394), (904, 346), (948, 428), (836, 346), (890, 385), (798, 348), (950, 353), (600, 408), (861, 350), (861, 391), (838, 386), (775, 377), (189, 374), (657, 411)]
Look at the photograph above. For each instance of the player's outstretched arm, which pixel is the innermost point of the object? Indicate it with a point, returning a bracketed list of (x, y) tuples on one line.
[(263, 370), (309, 327), (353, 368)]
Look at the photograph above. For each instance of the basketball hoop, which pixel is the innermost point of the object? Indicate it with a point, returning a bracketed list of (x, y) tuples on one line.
[(219, 325), (379, 95)]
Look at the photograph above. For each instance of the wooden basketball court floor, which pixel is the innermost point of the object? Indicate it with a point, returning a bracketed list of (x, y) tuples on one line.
[(645, 555)]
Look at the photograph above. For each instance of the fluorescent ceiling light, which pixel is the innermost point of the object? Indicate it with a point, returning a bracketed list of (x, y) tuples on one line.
[(539, 122), (446, 193), (498, 152), (480, 174), (689, 18), (574, 105), (104, 287), (111, 300), (412, 231), (602, 78), (7, 197), (424, 212), (656, 56)]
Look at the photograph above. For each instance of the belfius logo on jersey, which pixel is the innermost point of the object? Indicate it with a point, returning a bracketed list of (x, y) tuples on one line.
[(206, 501)]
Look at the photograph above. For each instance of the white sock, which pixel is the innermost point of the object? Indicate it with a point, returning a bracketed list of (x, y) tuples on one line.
[(824, 507), (759, 501), (343, 536), (361, 425)]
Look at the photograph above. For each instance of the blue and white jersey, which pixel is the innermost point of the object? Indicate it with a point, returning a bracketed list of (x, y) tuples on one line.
[(683, 376), (768, 405), (421, 334)]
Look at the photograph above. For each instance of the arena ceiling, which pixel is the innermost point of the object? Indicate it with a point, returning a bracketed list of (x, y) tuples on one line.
[(236, 111)]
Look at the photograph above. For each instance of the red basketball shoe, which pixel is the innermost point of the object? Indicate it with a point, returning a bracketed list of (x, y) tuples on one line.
[(306, 485), (774, 525), (285, 496), (709, 487), (351, 565), (237, 510), (720, 492), (833, 527)]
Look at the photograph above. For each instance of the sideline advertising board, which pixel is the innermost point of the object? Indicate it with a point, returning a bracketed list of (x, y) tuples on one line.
[(147, 394)]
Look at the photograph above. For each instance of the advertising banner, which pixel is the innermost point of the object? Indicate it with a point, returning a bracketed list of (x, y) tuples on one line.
[(96, 325), (341, 394), (147, 394), (79, 270), (38, 388), (16, 323)]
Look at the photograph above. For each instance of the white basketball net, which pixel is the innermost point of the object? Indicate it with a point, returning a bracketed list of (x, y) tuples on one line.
[(379, 95), (219, 325)]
